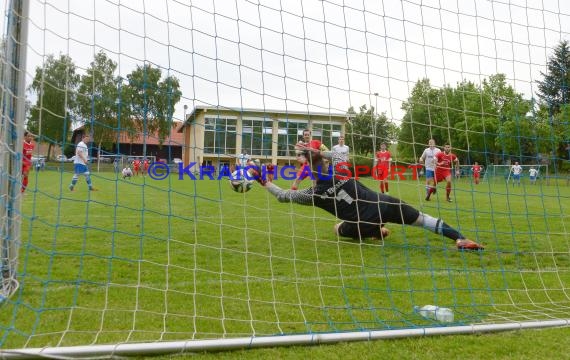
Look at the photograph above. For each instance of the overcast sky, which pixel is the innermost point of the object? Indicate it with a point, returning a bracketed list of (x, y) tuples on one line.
[(305, 55)]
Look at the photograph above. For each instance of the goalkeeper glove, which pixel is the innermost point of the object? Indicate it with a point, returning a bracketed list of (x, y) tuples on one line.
[(255, 173)]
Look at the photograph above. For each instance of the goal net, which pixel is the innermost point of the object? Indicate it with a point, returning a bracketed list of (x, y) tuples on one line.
[(95, 264)]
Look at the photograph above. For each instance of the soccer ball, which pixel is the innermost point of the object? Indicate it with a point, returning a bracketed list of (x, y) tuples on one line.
[(239, 182)]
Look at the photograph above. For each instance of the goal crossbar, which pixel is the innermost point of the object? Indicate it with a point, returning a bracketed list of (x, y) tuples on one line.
[(190, 346)]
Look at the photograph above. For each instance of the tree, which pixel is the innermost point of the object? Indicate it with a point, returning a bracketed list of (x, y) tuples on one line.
[(553, 133), (515, 130), (363, 126), (554, 93), (99, 101), (151, 101), (55, 86), (483, 124), (422, 121), (554, 90)]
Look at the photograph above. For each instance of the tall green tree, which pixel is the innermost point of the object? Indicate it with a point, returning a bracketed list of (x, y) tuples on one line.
[(554, 90), (554, 93), (515, 128), (55, 84), (368, 130), (151, 101), (488, 124), (496, 125), (422, 120), (99, 101), (553, 133)]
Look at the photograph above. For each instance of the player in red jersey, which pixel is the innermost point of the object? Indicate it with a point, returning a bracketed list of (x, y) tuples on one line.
[(445, 161), (383, 160), (270, 168), (313, 144), (136, 166), (28, 150), (476, 168), (146, 164), (305, 169)]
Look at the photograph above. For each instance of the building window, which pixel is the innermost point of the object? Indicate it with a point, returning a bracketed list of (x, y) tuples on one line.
[(257, 136), (327, 133), (289, 134), (220, 135)]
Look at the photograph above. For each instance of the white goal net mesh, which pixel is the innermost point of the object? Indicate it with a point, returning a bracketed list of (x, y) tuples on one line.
[(201, 85)]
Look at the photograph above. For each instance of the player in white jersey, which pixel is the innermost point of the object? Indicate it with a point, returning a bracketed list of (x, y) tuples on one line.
[(80, 163), (516, 171), (429, 160), (243, 159), (533, 174), (340, 152)]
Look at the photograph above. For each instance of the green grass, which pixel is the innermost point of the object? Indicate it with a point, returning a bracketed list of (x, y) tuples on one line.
[(147, 260)]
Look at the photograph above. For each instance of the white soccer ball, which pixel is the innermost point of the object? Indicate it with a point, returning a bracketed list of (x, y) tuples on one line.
[(239, 182)]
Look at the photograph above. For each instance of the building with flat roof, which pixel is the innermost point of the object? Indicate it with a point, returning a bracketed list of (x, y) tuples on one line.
[(215, 135), (137, 144)]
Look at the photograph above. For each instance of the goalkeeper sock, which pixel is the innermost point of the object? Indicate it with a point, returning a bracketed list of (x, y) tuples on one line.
[(438, 226)]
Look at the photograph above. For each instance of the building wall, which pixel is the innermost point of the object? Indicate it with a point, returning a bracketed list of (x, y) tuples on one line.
[(218, 136), (42, 149), (165, 152), (195, 145), (132, 144)]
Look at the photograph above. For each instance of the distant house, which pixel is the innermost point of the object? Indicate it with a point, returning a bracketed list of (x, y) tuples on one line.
[(135, 145), (42, 149), (216, 135)]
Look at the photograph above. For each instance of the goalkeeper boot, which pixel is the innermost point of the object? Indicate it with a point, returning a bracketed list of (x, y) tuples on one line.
[(466, 244)]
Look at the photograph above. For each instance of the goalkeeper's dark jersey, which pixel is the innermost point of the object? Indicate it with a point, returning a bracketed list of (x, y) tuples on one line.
[(351, 201)]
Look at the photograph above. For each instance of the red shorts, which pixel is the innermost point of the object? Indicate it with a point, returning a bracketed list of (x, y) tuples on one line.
[(26, 167), (381, 172), (441, 175)]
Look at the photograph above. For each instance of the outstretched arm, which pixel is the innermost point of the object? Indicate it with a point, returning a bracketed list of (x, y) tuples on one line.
[(303, 197), (295, 184)]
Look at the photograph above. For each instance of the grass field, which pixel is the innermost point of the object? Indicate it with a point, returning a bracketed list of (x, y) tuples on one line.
[(148, 260)]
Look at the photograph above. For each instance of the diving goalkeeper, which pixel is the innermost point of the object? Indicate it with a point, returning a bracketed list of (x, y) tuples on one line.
[(364, 212)]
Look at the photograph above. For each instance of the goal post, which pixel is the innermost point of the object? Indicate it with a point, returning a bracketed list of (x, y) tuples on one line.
[(95, 264), (13, 112)]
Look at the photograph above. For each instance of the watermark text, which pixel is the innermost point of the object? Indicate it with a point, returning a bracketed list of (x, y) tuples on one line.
[(341, 171)]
